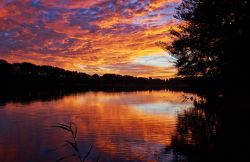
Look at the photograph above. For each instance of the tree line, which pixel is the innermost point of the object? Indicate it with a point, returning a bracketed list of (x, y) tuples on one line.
[(19, 74)]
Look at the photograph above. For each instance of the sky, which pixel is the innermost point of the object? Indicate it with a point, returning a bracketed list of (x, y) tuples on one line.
[(91, 36)]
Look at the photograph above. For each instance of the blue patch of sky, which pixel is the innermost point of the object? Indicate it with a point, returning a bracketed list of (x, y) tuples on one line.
[(35, 3), (167, 11), (51, 15)]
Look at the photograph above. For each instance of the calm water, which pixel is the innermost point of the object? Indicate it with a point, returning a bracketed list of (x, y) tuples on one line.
[(121, 126)]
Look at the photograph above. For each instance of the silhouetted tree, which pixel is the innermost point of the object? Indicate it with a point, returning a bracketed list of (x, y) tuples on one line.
[(213, 40)]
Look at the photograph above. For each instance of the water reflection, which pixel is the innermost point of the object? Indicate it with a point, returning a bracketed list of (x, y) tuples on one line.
[(214, 130), (196, 135), (122, 126)]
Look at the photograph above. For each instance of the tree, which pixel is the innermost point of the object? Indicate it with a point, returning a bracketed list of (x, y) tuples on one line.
[(213, 40)]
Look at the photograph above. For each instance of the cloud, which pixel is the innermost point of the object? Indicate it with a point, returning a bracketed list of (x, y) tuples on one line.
[(141, 70), (101, 35)]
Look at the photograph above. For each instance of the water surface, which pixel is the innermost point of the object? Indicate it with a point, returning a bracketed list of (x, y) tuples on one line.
[(121, 126)]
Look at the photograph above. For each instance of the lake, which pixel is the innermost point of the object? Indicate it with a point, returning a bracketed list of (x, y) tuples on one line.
[(119, 126)]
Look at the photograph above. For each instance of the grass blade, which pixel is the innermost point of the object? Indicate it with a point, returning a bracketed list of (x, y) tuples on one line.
[(65, 157), (73, 145), (85, 157), (62, 127), (75, 133)]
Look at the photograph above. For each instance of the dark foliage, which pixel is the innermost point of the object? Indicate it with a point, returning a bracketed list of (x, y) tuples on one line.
[(213, 45), (214, 40), (27, 74)]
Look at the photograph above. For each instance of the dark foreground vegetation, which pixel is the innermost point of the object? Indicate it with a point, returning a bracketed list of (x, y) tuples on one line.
[(213, 45), (213, 42)]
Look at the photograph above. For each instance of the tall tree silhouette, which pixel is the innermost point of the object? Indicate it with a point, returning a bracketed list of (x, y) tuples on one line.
[(213, 40)]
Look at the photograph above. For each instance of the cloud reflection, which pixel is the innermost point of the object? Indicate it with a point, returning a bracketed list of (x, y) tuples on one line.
[(117, 124)]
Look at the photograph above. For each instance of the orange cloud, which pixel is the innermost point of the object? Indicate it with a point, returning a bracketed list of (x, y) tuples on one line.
[(87, 36)]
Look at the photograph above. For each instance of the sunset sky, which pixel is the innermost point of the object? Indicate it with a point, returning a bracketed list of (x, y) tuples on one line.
[(92, 36)]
